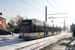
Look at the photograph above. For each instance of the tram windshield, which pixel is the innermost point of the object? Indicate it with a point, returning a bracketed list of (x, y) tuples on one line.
[(25, 27)]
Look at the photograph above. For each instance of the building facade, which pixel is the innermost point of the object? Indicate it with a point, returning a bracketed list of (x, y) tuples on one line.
[(2, 23)]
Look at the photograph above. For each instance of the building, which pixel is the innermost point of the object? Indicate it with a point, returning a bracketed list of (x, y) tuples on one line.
[(2, 23)]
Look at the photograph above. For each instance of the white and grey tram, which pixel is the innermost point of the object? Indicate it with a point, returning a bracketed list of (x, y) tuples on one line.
[(33, 28)]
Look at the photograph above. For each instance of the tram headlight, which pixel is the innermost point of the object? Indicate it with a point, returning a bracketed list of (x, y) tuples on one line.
[(20, 34), (27, 34)]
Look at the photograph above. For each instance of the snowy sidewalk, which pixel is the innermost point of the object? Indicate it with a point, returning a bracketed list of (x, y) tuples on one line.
[(8, 37), (66, 44), (35, 44)]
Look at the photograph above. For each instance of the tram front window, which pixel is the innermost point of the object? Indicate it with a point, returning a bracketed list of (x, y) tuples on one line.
[(25, 28)]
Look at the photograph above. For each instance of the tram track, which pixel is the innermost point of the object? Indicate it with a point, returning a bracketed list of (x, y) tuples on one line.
[(39, 44), (33, 44), (10, 42), (16, 41)]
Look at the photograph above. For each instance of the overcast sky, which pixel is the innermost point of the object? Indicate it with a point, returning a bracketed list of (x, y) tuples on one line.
[(11, 8)]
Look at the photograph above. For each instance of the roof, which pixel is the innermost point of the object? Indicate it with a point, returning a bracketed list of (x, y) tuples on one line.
[(2, 17)]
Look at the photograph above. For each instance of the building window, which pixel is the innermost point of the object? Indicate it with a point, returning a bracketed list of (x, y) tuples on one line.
[(0, 27), (4, 22), (0, 22)]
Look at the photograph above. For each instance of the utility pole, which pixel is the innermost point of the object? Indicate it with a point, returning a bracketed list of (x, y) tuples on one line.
[(45, 20), (46, 14), (67, 27), (12, 24), (56, 29), (52, 20), (52, 27), (56, 18), (64, 25)]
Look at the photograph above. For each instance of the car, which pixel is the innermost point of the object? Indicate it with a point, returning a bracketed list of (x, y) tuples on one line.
[(4, 32), (16, 30)]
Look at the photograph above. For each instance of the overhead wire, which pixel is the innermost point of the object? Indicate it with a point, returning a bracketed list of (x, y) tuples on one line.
[(38, 4), (57, 5), (31, 6), (52, 5), (56, 13)]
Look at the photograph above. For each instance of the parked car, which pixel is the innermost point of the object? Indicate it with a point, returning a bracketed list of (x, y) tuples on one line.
[(16, 30), (4, 32)]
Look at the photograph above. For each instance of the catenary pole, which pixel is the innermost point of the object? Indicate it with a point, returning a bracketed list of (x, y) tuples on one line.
[(45, 20), (64, 25), (46, 14)]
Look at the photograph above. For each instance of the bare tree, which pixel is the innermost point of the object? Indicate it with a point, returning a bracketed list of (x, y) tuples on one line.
[(15, 21), (11, 23), (18, 20)]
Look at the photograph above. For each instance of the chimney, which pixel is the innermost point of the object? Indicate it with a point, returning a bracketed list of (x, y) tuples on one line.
[(0, 13)]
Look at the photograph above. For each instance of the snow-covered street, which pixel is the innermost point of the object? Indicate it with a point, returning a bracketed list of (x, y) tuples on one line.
[(8, 37), (34, 44)]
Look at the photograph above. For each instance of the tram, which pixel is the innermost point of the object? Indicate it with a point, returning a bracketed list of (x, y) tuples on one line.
[(33, 29)]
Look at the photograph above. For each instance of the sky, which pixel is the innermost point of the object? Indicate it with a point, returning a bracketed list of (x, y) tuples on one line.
[(13, 8)]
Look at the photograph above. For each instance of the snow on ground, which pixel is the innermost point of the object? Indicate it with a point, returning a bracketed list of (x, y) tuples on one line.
[(50, 40), (8, 37), (38, 43)]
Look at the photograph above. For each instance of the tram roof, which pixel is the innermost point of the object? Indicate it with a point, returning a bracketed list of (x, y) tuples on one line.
[(28, 19), (33, 19)]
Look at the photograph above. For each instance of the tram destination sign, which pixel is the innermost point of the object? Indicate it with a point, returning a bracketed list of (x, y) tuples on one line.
[(25, 22)]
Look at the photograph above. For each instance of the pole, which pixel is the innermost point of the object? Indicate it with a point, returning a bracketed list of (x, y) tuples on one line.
[(56, 30), (12, 23), (45, 20), (64, 25), (53, 29), (67, 27), (46, 14), (44, 29)]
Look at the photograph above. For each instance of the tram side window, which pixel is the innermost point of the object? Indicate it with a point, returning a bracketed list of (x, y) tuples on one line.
[(39, 28), (34, 28), (39, 23)]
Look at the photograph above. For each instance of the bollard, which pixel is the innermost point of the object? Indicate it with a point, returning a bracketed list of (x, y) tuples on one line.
[(12, 33)]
